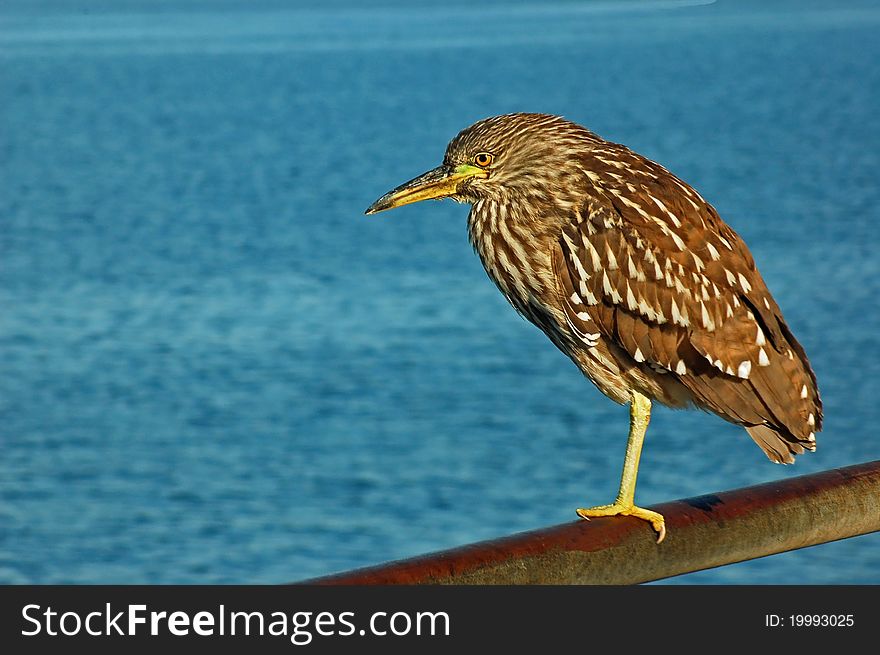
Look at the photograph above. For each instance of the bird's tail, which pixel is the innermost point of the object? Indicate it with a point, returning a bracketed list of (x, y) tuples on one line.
[(778, 403), (789, 390), (779, 444)]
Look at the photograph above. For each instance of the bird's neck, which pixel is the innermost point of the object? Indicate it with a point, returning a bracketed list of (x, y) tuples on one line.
[(515, 250)]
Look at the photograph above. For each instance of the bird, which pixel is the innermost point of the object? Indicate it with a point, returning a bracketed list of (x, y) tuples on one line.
[(632, 275)]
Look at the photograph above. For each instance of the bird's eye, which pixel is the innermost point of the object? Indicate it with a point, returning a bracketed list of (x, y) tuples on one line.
[(483, 159)]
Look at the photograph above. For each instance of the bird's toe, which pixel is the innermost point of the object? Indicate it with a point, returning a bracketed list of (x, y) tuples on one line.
[(656, 520)]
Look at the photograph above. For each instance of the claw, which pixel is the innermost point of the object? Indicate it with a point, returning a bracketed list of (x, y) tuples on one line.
[(656, 520)]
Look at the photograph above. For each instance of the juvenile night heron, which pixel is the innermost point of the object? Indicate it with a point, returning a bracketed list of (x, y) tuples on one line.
[(633, 275)]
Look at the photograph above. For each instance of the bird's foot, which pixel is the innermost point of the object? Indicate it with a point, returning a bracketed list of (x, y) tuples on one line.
[(656, 520)]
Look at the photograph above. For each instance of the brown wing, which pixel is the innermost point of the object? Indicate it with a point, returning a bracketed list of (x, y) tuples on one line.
[(663, 277)]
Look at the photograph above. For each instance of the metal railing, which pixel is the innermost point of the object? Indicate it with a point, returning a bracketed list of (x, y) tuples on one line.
[(702, 533)]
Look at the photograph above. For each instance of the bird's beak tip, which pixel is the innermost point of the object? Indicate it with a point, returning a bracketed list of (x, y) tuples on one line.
[(378, 206)]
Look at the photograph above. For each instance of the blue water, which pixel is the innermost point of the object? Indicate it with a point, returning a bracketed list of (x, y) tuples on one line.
[(214, 368)]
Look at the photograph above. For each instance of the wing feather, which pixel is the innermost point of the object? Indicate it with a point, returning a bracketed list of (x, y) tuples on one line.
[(677, 290)]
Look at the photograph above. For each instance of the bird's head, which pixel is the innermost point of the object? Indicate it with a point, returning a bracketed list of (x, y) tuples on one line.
[(530, 156)]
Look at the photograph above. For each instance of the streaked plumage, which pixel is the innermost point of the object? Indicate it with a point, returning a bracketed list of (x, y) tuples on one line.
[(632, 274)]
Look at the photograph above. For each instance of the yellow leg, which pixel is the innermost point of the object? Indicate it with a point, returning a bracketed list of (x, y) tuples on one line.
[(639, 417)]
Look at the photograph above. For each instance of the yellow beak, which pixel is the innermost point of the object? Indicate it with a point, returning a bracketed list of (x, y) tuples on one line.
[(441, 182)]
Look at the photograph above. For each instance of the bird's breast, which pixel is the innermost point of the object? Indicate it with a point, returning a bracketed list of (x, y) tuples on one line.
[(516, 257)]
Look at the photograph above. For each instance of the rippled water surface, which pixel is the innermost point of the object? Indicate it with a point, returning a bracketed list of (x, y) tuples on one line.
[(216, 369)]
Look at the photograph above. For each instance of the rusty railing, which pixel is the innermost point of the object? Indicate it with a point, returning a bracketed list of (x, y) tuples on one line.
[(703, 532)]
